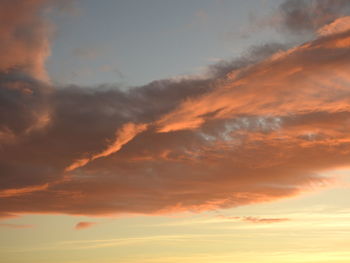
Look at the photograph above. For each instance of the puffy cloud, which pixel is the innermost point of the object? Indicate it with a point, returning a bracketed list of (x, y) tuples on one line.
[(24, 34), (254, 130)]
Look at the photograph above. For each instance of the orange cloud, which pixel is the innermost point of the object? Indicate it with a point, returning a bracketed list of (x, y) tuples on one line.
[(24, 37), (290, 83), (22, 191), (84, 225), (7, 215), (253, 131), (126, 133), (339, 25)]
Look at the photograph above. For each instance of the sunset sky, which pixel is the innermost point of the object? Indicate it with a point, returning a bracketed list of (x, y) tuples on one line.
[(166, 131)]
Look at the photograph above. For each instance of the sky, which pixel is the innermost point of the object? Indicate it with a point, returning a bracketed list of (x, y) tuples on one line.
[(118, 40), (174, 131)]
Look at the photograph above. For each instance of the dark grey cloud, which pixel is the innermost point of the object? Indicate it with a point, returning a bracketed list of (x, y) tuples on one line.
[(307, 16)]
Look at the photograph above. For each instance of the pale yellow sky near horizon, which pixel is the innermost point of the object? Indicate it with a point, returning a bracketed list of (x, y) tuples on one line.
[(317, 231)]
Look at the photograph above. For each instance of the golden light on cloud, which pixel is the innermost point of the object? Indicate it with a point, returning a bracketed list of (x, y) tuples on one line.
[(126, 133)]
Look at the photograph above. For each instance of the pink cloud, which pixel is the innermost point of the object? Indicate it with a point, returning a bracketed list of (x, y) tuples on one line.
[(253, 219), (84, 225)]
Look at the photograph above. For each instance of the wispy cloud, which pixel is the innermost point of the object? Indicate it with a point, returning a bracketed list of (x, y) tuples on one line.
[(84, 225), (99, 243), (123, 136), (224, 220), (298, 17), (4, 215), (257, 220)]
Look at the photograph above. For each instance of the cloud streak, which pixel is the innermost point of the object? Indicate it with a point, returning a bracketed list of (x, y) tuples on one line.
[(256, 220), (126, 133), (254, 130)]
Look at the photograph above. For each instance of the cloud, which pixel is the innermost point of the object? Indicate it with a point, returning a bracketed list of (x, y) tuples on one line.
[(84, 225), (24, 37), (302, 16), (24, 46), (255, 129), (291, 84), (6, 215), (257, 220), (22, 191), (299, 17), (126, 133), (264, 220), (339, 25)]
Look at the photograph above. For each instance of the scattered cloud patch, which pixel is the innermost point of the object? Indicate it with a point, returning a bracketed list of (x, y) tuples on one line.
[(84, 225)]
